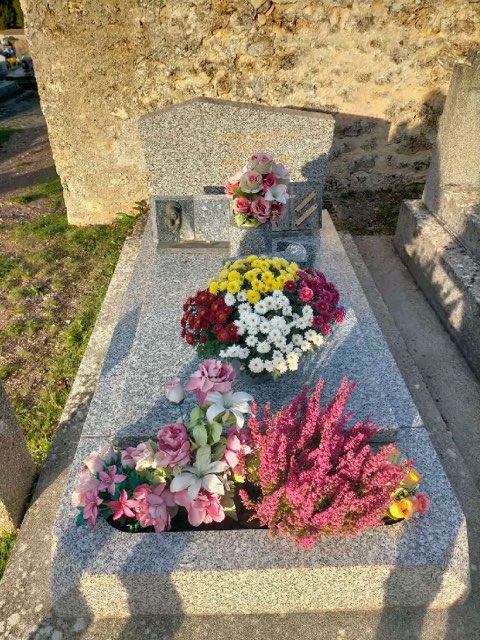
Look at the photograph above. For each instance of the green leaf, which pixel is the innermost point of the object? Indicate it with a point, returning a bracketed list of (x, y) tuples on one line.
[(204, 454), (217, 451), (80, 519), (195, 415), (216, 431), (246, 221), (200, 434)]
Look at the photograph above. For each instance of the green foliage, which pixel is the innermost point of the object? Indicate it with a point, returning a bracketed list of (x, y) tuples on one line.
[(7, 540), (11, 15), (41, 190)]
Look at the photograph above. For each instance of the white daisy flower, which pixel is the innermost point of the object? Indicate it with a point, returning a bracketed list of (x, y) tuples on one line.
[(263, 346), (251, 341), (289, 347), (264, 326), (292, 361), (274, 334), (282, 367), (302, 323), (256, 365), (268, 364), (241, 328), (278, 362), (269, 301), (261, 308), (310, 335), (229, 299), (244, 308), (297, 339), (318, 340), (306, 346), (242, 296), (243, 353)]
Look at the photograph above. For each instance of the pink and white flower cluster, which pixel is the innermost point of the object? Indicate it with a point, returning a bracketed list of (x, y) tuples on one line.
[(190, 465), (259, 191)]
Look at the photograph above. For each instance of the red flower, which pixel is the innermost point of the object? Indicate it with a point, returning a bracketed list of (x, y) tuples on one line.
[(290, 286), (190, 338), (223, 336), (339, 315), (203, 338)]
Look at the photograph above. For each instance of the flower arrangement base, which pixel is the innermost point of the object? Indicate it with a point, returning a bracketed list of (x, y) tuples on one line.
[(245, 241)]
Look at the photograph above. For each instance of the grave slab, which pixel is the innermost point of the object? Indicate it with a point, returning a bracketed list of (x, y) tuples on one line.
[(356, 349), (423, 562)]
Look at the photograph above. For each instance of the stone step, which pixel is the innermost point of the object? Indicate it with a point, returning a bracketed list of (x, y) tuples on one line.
[(447, 273)]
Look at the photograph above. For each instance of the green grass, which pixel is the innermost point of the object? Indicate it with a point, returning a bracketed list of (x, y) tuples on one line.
[(7, 540), (6, 133), (45, 189), (60, 274)]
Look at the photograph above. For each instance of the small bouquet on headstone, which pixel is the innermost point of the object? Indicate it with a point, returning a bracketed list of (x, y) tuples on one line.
[(263, 314), (259, 191), (190, 467)]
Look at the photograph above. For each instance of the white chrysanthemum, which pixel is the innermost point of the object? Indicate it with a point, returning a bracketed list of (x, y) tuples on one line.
[(268, 364), (277, 294), (297, 351), (229, 299), (277, 322), (244, 308), (310, 335), (252, 320), (251, 341), (242, 296), (256, 365), (297, 339), (269, 301), (295, 316), (302, 323), (287, 310), (292, 361), (281, 367), (289, 347), (252, 331), (274, 335), (280, 343), (306, 346), (241, 328), (261, 307), (318, 340), (230, 352), (264, 326), (243, 352), (307, 312), (278, 361), (277, 354), (263, 346)]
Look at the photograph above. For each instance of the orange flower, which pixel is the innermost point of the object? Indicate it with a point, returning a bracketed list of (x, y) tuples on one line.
[(401, 509), (411, 480)]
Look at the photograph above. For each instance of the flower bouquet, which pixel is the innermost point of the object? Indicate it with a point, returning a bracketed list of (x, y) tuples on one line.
[(313, 477), (259, 192), (191, 465), (304, 473), (263, 313)]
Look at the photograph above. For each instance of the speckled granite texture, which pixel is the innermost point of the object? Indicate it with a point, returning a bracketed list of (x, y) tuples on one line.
[(104, 572), (356, 349)]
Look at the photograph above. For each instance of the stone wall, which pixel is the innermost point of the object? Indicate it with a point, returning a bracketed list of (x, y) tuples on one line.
[(382, 67)]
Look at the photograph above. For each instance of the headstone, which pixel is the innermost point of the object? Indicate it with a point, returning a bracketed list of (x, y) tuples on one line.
[(439, 237), (17, 470), (191, 148)]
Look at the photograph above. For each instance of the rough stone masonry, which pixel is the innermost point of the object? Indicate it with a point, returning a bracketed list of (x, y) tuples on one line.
[(381, 68)]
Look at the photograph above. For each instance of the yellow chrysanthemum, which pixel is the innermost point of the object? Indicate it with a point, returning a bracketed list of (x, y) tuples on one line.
[(253, 296), (267, 277), (234, 275), (233, 287), (256, 285), (213, 288), (223, 285)]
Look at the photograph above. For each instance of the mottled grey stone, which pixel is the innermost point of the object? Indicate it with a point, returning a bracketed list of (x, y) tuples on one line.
[(104, 572), (447, 273), (245, 241), (17, 470), (192, 147), (355, 349)]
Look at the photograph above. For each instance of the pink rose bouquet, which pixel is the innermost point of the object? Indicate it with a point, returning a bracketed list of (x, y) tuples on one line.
[(259, 192)]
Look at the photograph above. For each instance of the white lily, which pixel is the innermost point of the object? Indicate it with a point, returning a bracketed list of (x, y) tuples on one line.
[(277, 193), (202, 473), (236, 404)]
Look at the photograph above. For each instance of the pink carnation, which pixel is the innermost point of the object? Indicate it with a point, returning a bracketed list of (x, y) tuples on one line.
[(173, 446), (213, 375)]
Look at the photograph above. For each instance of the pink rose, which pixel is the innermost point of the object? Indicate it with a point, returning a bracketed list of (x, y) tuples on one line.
[(251, 182), (174, 391), (205, 508), (213, 375), (173, 446), (261, 209), (153, 506), (422, 503), (261, 162), (87, 484), (242, 205), (269, 181), (231, 184)]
